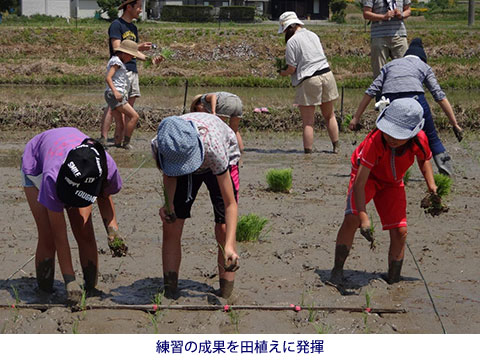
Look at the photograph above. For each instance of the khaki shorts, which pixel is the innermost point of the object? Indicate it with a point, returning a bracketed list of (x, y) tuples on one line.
[(112, 101), (383, 48), (317, 90), (134, 89), (231, 107)]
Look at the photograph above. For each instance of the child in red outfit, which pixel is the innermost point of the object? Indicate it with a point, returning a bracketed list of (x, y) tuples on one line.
[(378, 166)]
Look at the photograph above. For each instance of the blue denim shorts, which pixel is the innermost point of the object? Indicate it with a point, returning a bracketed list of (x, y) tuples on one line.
[(28, 181)]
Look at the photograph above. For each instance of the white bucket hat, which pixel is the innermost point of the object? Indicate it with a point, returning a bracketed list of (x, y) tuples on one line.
[(402, 119), (286, 19)]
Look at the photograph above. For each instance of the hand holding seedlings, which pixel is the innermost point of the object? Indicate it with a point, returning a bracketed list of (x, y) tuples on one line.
[(458, 131), (116, 243), (166, 216), (367, 233), (432, 203)]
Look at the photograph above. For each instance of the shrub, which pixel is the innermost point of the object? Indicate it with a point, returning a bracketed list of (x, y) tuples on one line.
[(110, 7), (279, 180), (237, 13), (249, 227), (338, 10), (187, 13), (444, 184)]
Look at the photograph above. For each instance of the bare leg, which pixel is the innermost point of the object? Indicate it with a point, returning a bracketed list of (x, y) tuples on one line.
[(106, 122), (82, 228), (45, 253), (234, 123), (343, 245), (396, 253), (332, 126), (119, 126), (226, 278), (308, 118), (171, 255)]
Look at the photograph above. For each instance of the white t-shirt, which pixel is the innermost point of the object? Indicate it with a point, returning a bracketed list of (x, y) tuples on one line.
[(120, 78), (305, 52)]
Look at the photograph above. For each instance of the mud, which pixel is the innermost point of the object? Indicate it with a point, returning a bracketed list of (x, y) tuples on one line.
[(289, 265)]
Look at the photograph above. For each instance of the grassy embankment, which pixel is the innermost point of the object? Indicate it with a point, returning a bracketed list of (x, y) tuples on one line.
[(57, 53)]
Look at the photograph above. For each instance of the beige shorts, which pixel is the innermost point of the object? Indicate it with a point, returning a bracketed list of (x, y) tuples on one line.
[(317, 90), (134, 89)]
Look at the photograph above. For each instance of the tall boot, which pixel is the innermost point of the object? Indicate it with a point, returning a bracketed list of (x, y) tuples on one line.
[(45, 273), (170, 284), (394, 270), (444, 163), (90, 275), (341, 254)]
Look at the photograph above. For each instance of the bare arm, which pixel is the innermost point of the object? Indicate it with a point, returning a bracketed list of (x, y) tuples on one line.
[(289, 71), (170, 184), (368, 14), (358, 114), (107, 211), (145, 46), (231, 213), (212, 99), (425, 167), (403, 14), (109, 81), (447, 109), (359, 195)]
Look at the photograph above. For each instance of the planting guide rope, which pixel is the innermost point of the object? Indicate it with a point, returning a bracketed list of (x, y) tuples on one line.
[(226, 308), (428, 290)]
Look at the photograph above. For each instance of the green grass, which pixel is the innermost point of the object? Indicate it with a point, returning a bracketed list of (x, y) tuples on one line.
[(250, 227), (444, 184), (279, 180), (406, 177)]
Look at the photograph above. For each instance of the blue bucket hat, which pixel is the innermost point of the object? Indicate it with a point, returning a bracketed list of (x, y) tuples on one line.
[(402, 119), (180, 150)]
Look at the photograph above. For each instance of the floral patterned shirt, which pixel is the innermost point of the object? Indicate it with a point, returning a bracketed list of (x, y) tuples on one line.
[(219, 141)]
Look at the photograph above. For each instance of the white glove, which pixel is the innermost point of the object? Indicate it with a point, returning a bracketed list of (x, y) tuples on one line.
[(382, 104)]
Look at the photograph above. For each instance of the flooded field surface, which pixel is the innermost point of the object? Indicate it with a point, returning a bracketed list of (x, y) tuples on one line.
[(289, 265)]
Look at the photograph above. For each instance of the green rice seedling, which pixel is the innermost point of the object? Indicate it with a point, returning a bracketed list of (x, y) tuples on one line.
[(157, 300), (432, 203), (279, 180), (322, 328), (366, 313), (312, 314), (280, 64), (83, 304), (17, 301), (406, 177), (444, 184), (249, 227), (234, 319), (369, 234), (75, 326)]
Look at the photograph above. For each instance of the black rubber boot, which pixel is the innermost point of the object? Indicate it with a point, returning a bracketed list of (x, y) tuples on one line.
[(45, 273)]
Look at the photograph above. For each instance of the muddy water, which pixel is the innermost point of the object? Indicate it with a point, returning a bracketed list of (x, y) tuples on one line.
[(288, 266), (163, 97)]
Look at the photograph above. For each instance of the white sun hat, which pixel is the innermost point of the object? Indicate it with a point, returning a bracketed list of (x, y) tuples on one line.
[(286, 19), (402, 119)]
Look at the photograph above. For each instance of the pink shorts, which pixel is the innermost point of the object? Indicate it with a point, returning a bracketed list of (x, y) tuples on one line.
[(389, 198)]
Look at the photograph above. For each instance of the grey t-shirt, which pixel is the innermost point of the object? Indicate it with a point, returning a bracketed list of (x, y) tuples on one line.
[(305, 52), (390, 28), (407, 74)]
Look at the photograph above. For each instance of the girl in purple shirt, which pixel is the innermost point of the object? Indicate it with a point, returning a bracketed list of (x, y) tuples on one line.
[(64, 169)]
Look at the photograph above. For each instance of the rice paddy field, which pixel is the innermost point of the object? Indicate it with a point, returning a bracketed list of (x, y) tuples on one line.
[(52, 75)]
